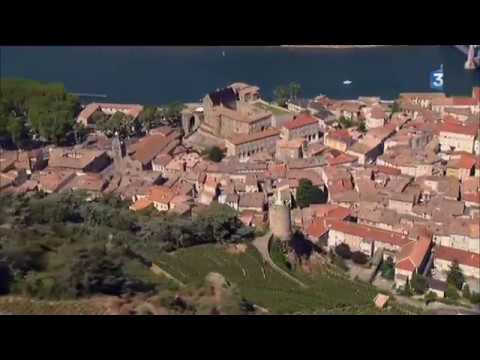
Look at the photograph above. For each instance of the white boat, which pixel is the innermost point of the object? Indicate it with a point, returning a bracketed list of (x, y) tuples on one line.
[(347, 82)]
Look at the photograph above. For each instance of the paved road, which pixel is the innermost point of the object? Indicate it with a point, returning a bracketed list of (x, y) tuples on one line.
[(261, 244)]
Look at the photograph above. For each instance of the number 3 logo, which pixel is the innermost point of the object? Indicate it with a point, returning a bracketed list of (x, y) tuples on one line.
[(438, 79)]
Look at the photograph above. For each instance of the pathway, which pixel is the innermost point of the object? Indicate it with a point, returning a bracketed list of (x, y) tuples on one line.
[(261, 244)]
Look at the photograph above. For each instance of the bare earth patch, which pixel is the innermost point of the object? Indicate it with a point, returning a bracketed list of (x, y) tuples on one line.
[(237, 249)]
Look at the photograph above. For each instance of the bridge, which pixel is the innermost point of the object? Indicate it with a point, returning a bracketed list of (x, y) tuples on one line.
[(473, 61)]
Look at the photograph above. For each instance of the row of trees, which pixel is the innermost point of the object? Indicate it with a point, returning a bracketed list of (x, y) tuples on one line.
[(285, 93), (61, 246), (30, 109), (33, 110)]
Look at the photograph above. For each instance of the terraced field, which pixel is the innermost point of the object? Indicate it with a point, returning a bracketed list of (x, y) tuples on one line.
[(327, 293)]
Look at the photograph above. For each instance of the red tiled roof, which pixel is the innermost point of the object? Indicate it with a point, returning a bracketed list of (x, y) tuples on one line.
[(341, 159), (387, 170), (161, 194), (317, 228), (464, 101), (464, 162), (378, 112), (472, 197), (412, 254), (141, 204), (458, 129), (463, 257), (339, 135), (368, 233), (300, 121)]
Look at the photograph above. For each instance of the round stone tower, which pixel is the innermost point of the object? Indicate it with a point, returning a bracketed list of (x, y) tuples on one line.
[(280, 220)]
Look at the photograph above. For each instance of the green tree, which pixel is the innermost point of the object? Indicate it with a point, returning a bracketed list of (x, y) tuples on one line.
[(148, 118), (407, 289), (172, 112), (430, 297), (362, 127), (80, 132), (452, 292), (17, 131), (215, 154), (455, 276), (294, 90), (281, 94), (466, 292), (475, 298), (345, 123), (308, 194), (395, 107), (359, 257), (343, 250), (419, 283), (387, 269)]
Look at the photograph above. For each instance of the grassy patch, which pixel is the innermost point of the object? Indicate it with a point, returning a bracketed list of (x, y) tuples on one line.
[(274, 110), (24, 306), (327, 293)]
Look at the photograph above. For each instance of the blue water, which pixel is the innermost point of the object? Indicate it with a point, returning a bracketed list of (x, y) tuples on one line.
[(156, 75)]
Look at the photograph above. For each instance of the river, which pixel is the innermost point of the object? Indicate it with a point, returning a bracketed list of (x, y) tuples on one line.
[(156, 75)]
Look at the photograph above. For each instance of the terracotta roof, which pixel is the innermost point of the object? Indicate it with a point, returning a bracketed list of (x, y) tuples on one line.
[(162, 159), (73, 159), (54, 180), (462, 257), (472, 197), (368, 233), (301, 121), (317, 228), (89, 182), (464, 101), (378, 112), (340, 135), (464, 162), (150, 146), (277, 170), (458, 129), (161, 194), (342, 159), (247, 138), (412, 254), (252, 200), (88, 111), (386, 170), (141, 204)]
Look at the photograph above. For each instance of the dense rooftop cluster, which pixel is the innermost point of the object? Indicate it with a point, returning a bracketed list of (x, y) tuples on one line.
[(398, 178)]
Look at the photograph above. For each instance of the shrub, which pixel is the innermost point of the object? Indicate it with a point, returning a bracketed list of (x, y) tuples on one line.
[(455, 276), (419, 284), (452, 292), (387, 269), (475, 298), (308, 194), (343, 250), (430, 297), (338, 261), (466, 292), (215, 154), (359, 257)]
